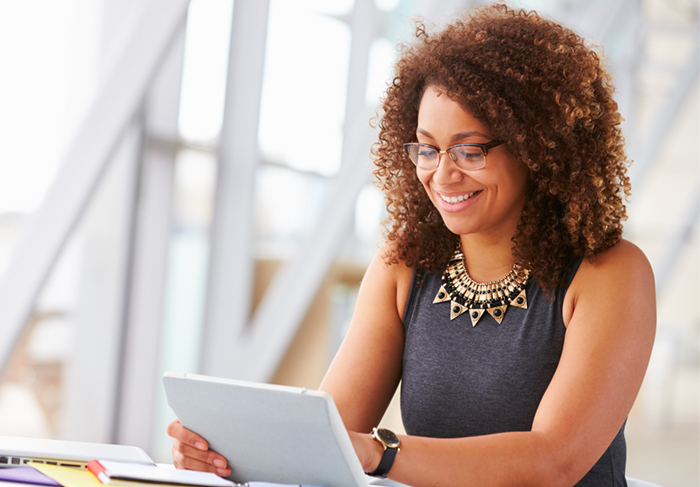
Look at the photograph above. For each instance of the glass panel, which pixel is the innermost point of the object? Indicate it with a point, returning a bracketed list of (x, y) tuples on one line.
[(303, 101), (287, 205), (204, 71), (185, 294), (35, 40), (382, 56)]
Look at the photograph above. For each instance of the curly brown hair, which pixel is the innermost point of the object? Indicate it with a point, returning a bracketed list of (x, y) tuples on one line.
[(537, 86)]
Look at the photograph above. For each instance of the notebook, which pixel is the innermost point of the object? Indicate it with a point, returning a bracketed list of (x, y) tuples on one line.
[(268, 433), (19, 451), (130, 475)]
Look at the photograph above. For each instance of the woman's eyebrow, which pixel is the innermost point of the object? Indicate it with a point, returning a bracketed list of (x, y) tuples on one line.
[(466, 135), (424, 132), (455, 137)]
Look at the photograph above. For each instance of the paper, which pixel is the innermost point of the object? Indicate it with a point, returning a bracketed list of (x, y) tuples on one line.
[(26, 475), (146, 473), (73, 477), (68, 476), (268, 484)]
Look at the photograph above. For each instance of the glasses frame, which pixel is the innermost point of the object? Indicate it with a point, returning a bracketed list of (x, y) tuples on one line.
[(484, 150)]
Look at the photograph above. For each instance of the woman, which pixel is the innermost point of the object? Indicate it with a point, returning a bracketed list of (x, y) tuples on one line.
[(504, 299)]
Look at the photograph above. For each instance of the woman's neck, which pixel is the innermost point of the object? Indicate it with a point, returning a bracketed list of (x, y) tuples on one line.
[(487, 259)]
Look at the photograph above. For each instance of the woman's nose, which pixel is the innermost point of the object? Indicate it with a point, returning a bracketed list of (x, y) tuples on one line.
[(447, 171)]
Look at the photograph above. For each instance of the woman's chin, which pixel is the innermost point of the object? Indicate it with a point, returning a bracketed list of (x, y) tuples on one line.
[(459, 228)]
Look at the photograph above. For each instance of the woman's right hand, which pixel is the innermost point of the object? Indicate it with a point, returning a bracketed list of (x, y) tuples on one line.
[(191, 451)]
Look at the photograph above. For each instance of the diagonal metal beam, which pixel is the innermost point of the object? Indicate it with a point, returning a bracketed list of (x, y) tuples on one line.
[(117, 101)]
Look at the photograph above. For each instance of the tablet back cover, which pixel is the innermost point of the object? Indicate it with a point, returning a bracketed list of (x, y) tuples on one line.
[(266, 432)]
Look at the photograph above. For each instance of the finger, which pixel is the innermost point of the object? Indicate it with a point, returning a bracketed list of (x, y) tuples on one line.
[(209, 457), (189, 451), (172, 426), (193, 464), (189, 458), (188, 463), (189, 437)]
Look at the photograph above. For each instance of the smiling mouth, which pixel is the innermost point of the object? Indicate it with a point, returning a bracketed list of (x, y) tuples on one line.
[(453, 200)]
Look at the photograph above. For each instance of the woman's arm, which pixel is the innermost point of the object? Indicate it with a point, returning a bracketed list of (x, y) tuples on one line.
[(610, 315), (367, 368)]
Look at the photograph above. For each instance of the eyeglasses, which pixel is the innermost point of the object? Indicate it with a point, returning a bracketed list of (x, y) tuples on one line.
[(469, 157)]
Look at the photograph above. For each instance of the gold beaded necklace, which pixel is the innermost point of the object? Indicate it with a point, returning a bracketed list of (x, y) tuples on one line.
[(465, 294)]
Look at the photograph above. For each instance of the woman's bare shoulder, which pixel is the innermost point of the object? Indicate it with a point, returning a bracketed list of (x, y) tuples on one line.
[(387, 259), (393, 271), (622, 261), (621, 273)]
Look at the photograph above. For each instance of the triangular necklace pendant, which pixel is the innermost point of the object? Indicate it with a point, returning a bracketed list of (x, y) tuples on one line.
[(466, 295)]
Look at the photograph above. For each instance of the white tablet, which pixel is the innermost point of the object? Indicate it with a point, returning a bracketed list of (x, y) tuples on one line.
[(267, 432)]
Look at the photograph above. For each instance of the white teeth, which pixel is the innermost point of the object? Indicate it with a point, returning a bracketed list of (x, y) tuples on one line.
[(458, 199)]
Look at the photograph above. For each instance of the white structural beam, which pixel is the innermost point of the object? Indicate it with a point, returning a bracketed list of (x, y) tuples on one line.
[(678, 239), (445, 10), (257, 352), (116, 102), (626, 69), (366, 24), (646, 149), (140, 379), (231, 262), (600, 18), (93, 370)]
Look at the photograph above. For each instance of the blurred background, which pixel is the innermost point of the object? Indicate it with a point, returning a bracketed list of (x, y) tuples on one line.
[(187, 186)]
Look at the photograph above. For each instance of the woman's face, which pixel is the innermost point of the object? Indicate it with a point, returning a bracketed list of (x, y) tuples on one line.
[(486, 202)]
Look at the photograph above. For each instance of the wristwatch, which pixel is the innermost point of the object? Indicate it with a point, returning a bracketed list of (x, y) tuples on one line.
[(391, 443)]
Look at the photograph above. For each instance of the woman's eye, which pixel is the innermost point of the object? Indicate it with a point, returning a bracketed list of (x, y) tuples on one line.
[(425, 152), (468, 153)]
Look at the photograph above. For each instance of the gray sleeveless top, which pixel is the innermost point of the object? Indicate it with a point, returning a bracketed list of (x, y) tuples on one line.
[(461, 380)]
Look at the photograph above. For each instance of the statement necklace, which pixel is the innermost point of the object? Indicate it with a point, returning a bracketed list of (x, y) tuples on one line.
[(465, 294)]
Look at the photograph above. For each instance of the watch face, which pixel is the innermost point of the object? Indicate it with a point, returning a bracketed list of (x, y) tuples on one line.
[(388, 438)]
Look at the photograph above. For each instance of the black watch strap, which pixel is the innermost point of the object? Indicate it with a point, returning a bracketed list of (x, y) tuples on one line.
[(385, 464)]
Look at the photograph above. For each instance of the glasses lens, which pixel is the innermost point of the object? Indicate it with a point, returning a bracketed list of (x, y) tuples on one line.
[(423, 156), (468, 156)]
